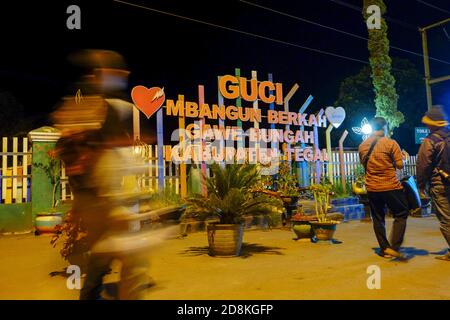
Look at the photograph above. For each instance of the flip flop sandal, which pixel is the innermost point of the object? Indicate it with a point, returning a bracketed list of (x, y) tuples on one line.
[(444, 258)]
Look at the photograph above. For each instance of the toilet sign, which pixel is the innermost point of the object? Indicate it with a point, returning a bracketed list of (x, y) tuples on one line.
[(421, 133)]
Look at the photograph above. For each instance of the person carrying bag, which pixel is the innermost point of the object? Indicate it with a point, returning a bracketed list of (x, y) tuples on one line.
[(378, 154)]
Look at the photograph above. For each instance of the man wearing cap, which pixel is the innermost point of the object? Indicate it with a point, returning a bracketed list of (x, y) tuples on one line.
[(431, 161)]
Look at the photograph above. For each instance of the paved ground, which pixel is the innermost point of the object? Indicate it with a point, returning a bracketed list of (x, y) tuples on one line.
[(273, 266)]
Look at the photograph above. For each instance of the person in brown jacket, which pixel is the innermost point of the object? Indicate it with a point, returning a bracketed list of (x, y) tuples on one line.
[(381, 156), (431, 158)]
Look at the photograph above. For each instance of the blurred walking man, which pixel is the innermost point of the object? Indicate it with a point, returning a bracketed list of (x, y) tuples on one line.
[(433, 162), (90, 133), (381, 156)]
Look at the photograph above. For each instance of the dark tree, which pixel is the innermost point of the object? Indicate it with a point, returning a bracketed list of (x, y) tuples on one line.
[(383, 81), (13, 121), (356, 96)]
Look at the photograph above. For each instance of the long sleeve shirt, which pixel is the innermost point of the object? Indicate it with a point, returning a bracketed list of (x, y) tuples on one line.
[(381, 170)]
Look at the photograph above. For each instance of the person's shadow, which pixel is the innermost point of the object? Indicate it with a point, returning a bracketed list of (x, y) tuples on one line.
[(413, 252), (439, 253)]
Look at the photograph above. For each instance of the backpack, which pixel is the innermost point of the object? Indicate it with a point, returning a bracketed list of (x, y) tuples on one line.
[(444, 160)]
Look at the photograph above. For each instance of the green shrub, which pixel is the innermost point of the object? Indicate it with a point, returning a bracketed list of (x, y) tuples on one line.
[(338, 190), (230, 195)]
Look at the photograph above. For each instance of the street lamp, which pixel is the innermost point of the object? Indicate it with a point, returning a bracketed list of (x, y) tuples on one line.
[(365, 129)]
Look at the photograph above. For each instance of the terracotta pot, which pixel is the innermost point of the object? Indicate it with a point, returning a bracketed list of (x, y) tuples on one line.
[(324, 231), (225, 239)]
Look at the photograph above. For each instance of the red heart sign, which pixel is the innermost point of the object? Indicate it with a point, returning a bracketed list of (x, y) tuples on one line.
[(148, 100)]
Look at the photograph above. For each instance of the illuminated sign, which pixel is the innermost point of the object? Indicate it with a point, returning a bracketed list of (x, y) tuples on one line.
[(214, 142)]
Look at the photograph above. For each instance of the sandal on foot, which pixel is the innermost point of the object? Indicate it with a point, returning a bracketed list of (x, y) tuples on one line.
[(445, 257), (393, 253)]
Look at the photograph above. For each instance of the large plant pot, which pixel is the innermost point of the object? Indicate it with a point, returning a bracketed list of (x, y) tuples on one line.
[(225, 239), (47, 223), (324, 231), (302, 229)]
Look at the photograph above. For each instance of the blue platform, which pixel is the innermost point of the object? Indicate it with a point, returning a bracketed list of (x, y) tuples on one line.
[(349, 207)]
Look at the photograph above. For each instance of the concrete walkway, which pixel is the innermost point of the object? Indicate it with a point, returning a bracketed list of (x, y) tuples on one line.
[(272, 266)]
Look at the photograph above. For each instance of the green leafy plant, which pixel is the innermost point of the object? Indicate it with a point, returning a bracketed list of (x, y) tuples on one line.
[(275, 218), (287, 180), (73, 234), (231, 196), (338, 190), (360, 172), (164, 198), (265, 183), (358, 187), (52, 170)]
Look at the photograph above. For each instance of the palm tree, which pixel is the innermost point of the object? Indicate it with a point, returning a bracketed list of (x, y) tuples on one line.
[(230, 195)]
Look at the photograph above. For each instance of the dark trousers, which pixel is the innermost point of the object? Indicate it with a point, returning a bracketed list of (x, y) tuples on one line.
[(441, 202), (396, 201), (97, 268)]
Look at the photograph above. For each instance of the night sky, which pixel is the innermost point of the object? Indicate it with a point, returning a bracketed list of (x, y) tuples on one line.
[(166, 51)]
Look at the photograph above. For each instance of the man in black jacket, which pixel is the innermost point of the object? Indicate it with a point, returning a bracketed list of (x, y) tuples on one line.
[(432, 162)]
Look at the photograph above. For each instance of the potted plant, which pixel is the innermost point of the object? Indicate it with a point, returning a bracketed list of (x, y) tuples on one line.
[(47, 222), (287, 184), (301, 224), (265, 185), (324, 228), (287, 189), (230, 198)]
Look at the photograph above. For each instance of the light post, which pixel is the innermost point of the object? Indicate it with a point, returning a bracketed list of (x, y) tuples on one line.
[(428, 80)]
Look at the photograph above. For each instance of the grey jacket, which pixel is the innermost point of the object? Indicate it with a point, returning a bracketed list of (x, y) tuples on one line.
[(429, 158)]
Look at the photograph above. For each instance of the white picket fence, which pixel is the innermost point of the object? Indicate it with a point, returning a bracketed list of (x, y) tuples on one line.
[(351, 163), (66, 193), (149, 179), (15, 170), (15, 174)]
